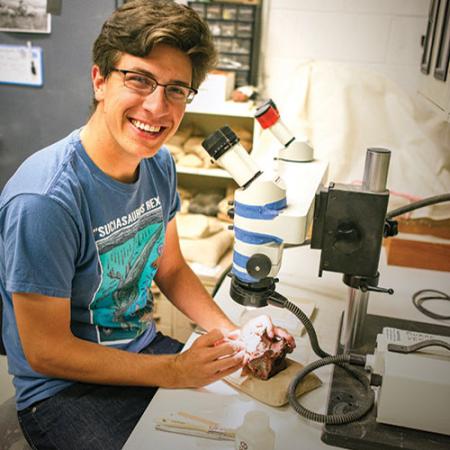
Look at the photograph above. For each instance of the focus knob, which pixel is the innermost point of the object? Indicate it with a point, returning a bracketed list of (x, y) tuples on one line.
[(259, 266)]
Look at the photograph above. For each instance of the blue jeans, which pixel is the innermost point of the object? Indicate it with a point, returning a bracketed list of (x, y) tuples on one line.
[(91, 416)]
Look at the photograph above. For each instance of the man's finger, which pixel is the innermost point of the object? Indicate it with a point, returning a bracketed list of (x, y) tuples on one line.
[(232, 362), (223, 350), (233, 335), (210, 338)]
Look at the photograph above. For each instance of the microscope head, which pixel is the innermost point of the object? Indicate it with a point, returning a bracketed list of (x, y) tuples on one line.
[(257, 255)]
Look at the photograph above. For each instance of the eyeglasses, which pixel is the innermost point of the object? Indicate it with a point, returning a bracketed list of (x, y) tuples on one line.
[(145, 85)]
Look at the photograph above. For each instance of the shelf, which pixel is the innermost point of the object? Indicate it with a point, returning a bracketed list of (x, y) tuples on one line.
[(224, 36), (229, 108), (206, 118), (235, 53), (219, 173), (235, 69)]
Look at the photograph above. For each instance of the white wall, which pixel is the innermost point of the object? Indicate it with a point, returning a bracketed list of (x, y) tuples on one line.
[(381, 35)]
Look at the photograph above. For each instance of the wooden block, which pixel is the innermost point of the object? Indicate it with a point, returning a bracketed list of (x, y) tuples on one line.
[(418, 254), (425, 226)]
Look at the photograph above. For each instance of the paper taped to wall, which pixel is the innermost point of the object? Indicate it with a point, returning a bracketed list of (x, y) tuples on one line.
[(21, 64)]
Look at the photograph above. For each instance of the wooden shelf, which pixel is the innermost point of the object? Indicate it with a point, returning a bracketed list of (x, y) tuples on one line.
[(205, 119), (229, 108), (219, 173)]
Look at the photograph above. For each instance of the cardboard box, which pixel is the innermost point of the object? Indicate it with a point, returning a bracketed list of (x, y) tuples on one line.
[(216, 89)]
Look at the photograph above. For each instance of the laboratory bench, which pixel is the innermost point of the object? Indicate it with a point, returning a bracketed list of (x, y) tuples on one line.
[(299, 281)]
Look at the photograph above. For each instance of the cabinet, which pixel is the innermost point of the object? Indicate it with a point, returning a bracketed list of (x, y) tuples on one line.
[(236, 30), (169, 320)]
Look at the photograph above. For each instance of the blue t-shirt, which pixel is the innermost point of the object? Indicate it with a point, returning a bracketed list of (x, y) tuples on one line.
[(69, 230)]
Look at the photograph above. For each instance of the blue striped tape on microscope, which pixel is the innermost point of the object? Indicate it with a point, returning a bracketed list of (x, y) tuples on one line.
[(262, 212), (240, 260), (240, 267), (250, 237), (243, 276)]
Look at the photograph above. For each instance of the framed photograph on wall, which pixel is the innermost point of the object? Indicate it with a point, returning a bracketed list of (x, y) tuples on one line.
[(24, 16), (443, 54), (429, 37)]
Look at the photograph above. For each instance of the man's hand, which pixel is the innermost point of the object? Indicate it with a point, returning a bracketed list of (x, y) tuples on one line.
[(209, 359)]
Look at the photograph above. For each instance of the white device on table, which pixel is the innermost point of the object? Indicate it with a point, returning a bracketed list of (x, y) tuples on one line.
[(414, 388)]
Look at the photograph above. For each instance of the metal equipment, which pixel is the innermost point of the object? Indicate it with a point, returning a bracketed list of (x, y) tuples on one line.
[(273, 209)]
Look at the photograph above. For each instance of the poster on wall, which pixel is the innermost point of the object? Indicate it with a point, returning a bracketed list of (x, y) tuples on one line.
[(24, 16), (21, 65)]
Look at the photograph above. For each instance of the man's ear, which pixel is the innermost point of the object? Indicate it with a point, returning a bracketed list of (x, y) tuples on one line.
[(98, 83)]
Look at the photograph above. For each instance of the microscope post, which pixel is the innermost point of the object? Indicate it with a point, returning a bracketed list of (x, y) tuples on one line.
[(375, 177)]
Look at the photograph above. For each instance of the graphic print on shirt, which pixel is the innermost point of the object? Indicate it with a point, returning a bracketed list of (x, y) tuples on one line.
[(128, 255)]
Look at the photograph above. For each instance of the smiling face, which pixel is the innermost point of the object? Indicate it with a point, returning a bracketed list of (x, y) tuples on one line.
[(128, 126)]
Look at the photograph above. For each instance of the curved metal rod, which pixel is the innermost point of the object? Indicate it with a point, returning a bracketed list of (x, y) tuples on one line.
[(398, 348)]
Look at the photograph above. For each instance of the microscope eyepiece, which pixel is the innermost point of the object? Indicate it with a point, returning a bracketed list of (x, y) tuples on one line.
[(220, 142), (267, 114), (224, 147)]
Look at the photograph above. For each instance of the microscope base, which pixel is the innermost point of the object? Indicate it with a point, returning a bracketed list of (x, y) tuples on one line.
[(366, 433)]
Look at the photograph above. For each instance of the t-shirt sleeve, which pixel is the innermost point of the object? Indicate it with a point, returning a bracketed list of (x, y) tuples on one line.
[(41, 242), (175, 204)]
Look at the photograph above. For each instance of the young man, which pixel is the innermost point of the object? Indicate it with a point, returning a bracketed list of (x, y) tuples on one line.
[(86, 225)]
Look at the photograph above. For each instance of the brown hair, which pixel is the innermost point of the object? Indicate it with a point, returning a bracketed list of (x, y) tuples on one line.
[(138, 25)]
